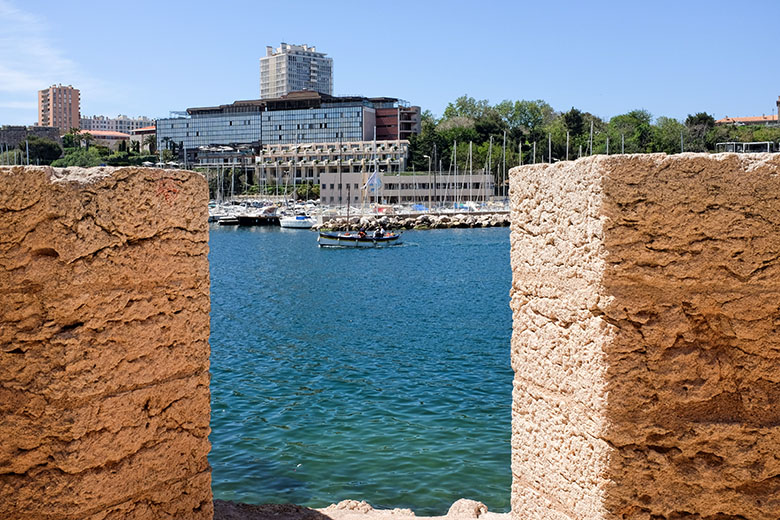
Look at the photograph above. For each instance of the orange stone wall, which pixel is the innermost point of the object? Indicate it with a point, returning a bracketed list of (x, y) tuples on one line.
[(104, 355)]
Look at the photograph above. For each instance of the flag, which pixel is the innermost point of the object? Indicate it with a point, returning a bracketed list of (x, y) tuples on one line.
[(373, 183)]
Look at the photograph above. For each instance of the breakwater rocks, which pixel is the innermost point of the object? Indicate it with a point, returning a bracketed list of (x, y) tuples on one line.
[(426, 221)]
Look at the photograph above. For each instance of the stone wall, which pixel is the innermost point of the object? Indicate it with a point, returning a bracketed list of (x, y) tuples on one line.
[(12, 136), (646, 342), (104, 355)]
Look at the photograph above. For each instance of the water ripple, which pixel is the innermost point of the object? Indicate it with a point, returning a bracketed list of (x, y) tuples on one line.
[(379, 375)]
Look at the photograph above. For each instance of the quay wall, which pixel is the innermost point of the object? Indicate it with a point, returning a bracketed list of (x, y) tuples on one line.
[(646, 338), (104, 355)]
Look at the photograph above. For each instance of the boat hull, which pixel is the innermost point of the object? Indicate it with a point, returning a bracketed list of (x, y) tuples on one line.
[(353, 240), (296, 222), (228, 220)]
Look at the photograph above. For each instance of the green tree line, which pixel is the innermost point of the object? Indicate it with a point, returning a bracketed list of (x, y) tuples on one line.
[(535, 132), (78, 149)]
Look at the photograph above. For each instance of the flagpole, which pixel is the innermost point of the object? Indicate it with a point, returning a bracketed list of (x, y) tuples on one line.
[(376, 191)]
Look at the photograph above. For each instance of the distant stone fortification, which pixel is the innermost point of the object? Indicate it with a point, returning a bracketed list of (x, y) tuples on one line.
[(12, 136), (104, 355), (646, 344)]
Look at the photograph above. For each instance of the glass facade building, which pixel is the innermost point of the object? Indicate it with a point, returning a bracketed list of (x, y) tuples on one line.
[(300, 117)]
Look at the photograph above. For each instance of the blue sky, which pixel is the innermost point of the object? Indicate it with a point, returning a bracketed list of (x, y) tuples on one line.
[(147, 58)]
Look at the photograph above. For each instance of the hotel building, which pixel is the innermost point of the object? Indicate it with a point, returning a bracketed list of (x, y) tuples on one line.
[(59, 106), (294, 67), (298, 163)]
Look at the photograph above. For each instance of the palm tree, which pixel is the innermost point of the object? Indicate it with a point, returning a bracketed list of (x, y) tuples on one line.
[(71, 139), (86, 137), (151, 141)]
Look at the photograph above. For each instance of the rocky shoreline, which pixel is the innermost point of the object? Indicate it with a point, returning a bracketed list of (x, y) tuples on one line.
[(426, 221), (462, 509)]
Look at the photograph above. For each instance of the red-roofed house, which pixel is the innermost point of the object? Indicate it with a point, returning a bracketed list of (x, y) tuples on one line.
[(107, 138), (752, 120)]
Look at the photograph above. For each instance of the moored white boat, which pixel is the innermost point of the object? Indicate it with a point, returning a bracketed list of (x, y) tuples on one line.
[(297, 221), (228, 220)]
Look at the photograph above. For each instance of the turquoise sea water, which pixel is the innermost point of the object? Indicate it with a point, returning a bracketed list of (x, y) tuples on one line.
[(379, 375)]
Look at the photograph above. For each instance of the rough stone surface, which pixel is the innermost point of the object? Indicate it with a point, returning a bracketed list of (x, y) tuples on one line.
[(466, 508), (104, 356), (646, 342)]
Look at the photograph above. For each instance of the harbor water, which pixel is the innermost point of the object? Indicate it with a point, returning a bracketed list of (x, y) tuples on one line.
[(380, 375)]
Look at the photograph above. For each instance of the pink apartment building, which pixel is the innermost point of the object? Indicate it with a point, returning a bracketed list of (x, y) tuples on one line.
[(59, 106)]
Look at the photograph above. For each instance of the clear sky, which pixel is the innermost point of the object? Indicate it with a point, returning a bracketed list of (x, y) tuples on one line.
[(147, 58)]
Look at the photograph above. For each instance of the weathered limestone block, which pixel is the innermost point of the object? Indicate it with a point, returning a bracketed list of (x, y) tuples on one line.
[(646, 341), (104, 355)]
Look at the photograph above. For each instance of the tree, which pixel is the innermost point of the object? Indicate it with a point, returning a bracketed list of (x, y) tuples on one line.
[(699, 126), (574, 122), (71, 139), (42, 150), (530, 117), (635, 128), (151, 141), (466, 106), (307, 191), (85, 157), (490, 124), (12, 156), (120, 158), (85, 137), (424, 143), (666, 135)]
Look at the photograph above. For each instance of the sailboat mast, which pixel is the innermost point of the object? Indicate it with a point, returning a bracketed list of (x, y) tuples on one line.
[(490, 158), (341, 198), (520, 151), (455, 194), (376, 191), (471, 174), (503, 174)]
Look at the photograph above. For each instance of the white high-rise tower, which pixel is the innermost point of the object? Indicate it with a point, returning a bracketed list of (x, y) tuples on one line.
[(294, 67)]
